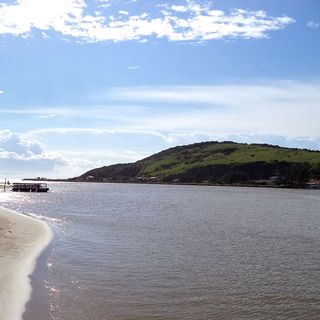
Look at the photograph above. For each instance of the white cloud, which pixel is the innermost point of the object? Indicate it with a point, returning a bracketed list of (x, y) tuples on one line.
[(138, 121), (116, 112), (12, 143), (125, 130), (44, 35), (179, 8), (281, 108), (190, 22), (105, 3), (105, 157), (46, 116), (227, 95), (182, 113), (21, 157), (126, 13), (134, 67), (313, 25), (98, 147), (1, 92)]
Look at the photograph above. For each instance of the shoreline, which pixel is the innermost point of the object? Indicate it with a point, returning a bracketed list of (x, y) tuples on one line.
[(22, 240), (241, 185)]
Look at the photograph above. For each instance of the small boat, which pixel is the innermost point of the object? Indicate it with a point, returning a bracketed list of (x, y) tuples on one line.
[(29, 187)]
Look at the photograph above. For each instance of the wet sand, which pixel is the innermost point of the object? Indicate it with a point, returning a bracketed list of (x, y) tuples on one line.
[(22, 239)]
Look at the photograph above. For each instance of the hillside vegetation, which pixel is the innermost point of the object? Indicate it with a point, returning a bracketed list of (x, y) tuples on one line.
[(217, 162)]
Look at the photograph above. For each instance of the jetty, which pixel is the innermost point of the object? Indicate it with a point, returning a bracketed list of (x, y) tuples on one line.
[(29, 187)]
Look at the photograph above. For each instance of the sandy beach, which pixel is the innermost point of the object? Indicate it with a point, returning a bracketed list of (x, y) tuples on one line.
[(22, 239)]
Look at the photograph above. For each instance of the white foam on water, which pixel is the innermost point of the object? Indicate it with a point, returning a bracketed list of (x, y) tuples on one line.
[(45, 218), (60, 223)]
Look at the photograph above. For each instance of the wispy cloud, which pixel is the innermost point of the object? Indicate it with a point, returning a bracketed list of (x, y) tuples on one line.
[(46, 116), (126, 13), (283, 92), (134, 67), (125, 130), (285, 108), (38, 113), (104, 3), (313, 25), (138, 121), (192, 21), (276, 108), (288, 109), (117, 113)]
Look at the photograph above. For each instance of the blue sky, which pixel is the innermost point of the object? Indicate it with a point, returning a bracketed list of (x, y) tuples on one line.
[(90, 83)]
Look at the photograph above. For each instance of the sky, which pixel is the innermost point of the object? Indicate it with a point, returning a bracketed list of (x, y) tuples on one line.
[(88, 83)]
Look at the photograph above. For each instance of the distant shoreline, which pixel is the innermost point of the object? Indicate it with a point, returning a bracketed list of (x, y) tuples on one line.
[(247, 185), (22, 239)]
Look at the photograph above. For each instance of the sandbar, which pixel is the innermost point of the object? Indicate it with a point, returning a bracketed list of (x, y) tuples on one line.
[(22, 240)]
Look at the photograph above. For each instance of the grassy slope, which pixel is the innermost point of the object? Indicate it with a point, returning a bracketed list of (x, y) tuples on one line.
[(185, 160), (178, 160)]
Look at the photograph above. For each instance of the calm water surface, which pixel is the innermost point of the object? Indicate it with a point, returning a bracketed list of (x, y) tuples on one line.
[(140, 252)]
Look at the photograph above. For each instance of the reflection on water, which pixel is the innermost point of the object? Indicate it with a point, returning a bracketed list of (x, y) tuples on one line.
[(177, 252)]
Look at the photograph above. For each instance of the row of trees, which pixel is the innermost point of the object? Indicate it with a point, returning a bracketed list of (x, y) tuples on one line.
[(283, 173)]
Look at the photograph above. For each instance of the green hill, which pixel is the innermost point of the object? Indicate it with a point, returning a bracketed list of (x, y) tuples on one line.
[(217, 162)]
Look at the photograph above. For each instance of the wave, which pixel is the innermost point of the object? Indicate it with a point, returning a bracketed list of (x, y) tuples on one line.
[(47, 219)]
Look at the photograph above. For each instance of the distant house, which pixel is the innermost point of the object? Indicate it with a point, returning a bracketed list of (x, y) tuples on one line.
[(274, 179), (313, 184)]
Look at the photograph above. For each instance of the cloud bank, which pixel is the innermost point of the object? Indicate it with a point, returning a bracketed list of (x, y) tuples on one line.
[(282, 108), (90, 22), (18, 156), (130, 123)]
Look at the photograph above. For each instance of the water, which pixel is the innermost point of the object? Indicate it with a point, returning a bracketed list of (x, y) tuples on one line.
[(124, 251)]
